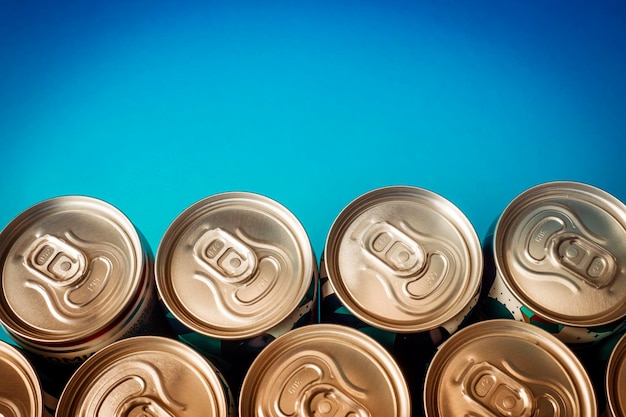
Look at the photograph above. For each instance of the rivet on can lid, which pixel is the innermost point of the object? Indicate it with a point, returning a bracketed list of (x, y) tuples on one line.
[(559, 248), (403, 259)]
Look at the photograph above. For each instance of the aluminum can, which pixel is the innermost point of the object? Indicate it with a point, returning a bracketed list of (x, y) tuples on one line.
[(324, 370), (20, 389), (403, 265), (615, 383), (234, 271), (76, 276), (147, 376), (558, 252), (504, 367)]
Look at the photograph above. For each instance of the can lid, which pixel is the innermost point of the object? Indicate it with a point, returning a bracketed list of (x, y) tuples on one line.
[(616, 379), (559, 247), (70, 267), (509, 368), (411, 247), (234, 265), (145, 376), (326, 370), (20, 389)]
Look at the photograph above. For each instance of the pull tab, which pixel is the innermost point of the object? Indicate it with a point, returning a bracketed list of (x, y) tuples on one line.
[(327, 401), (394, 248), (497, 391), (225, 254), (147, 408), (57, 260), (592, 263)]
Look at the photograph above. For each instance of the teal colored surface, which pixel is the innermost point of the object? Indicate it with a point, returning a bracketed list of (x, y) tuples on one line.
[(154, 105)]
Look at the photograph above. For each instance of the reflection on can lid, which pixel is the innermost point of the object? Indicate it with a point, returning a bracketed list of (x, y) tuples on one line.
[(20, 389), (146, 376), (70, 267), (324, 370), (616, 379), (507, 368), (403, 259), (234, 265), (560, 248)]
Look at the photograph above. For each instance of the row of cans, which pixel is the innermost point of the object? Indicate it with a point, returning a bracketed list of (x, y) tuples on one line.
[(411, 306)]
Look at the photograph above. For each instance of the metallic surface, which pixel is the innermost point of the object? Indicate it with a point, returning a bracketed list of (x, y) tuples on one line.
[(404, 259), (146, 376), (76, 275), (234, 266), (616, 380), (324, 370), (507, 368), (559, 248), (20, 389)]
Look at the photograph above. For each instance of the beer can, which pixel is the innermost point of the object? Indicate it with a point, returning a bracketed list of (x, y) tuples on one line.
[(324, 370), (234, 271), (147, 376), (558, 253), (401, 261), (76, 276), (504, 367), (615, 387), (20, 389)]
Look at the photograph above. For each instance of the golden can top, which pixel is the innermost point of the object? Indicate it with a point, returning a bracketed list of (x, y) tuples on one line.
[(70, 267), (20, 389), (560, 249), (616, 379), (146, 376), (324, 370), (507, 368), (403, 259), (234, 265)]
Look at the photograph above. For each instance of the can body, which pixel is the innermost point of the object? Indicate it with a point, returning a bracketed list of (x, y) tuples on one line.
[(506, 367), (615, 382), (403, 265), (557, 253), (20, 389), (324, 370), (147, 376), (235, 271), (76, 276)]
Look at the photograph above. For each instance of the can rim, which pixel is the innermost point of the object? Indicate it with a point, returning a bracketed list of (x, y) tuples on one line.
[(616, 400), (30, 336), (27, 371), (306, 336), (385, 194), (179, 225), (524, 331), (612, 205)]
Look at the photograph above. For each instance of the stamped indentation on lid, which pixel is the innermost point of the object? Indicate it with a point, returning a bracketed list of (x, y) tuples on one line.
[(225, 254), (314, 387), (140, 392), (556, 241), (496, 391), (56, 260), (403, 255)]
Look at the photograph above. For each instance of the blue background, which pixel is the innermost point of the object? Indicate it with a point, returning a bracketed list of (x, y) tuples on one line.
[(154, 105)]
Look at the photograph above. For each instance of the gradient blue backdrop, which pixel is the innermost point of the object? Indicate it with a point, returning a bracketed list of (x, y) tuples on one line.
[(153, 105)]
